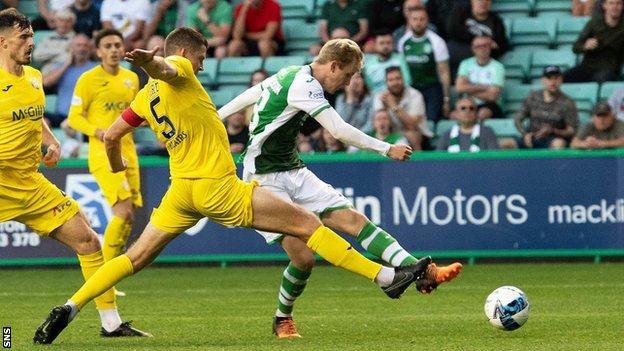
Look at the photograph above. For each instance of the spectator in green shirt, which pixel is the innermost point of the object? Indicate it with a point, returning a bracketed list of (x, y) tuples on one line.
[(164, 20), (212, 18)]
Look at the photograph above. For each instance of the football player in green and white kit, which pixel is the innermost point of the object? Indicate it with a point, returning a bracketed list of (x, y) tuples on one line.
[(282, 102)]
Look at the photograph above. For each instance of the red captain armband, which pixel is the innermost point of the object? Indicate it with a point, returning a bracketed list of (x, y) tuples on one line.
[(131, 117)]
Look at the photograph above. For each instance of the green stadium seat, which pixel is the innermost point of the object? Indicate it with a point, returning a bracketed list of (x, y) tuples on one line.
[(514, 96), (542, 58), (50, 103), (584, 117), (584, 94), (508, 23), (144, 135), (556, 14), (517, 64), (275, 63), (28, 8), (503, 128), (513, 8), (208, 76), (297, 9), (222, 96), (237, 70), (444, 126), (607, 89), (534, 32), (568, 29), (542, 6), (40, 34), (59, 134), (300, 36)]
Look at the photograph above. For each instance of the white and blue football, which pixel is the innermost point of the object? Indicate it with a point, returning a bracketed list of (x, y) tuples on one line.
[(507, 308)]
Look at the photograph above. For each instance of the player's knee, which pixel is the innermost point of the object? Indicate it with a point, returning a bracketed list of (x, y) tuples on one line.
[(88, 244), (304, 260)]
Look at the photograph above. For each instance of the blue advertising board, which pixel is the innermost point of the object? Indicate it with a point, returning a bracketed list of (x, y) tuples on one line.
[(430, 205)]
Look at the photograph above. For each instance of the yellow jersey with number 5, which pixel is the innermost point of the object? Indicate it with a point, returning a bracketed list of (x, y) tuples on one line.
[(184, 118), (23, 102)]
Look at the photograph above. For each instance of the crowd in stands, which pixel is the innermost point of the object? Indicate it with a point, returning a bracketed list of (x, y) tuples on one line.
[(427, 63)]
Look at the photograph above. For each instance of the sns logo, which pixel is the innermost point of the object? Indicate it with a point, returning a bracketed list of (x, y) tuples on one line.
[(84, 189)]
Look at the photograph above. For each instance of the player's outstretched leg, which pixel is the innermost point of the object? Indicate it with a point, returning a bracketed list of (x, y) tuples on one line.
[(273, 214), (380, 243), (140, 254)]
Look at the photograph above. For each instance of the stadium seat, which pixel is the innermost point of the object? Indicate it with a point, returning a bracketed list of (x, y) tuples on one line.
[(503, 128), (568, 29), (50, 103), (59, 134), (514, 96), (534, 32), (28, 8), (275, 63), (222, 96), (300, 36), (607, 89), (237, 70), (584, 94), (144, 135), (512, 8), (444, 126), (40, 34), (547, 6), (208, 76), (542, 58), (297, 9), (517, 64), (584, 117)]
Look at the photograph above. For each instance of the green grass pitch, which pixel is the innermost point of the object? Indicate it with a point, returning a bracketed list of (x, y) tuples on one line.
[(573, 307)]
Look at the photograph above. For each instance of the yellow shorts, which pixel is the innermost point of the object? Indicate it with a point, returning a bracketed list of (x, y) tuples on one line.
[(34, 201), (226, 201), (119, 186)]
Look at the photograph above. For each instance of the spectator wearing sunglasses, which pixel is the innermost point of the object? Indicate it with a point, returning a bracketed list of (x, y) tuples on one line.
[(551, 115), (468, 134)]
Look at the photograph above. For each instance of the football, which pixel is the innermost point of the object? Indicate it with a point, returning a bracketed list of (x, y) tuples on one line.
[(507, 308)]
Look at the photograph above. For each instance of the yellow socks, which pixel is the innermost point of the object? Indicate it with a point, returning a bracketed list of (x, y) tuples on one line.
[(89, 264), (115, 236), (103, 280), (339, 252)]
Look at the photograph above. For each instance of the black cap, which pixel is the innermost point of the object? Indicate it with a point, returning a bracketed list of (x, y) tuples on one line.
[(551, 70), (602, 108)]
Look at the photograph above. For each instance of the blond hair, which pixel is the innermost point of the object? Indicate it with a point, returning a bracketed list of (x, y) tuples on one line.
[(344, 51)]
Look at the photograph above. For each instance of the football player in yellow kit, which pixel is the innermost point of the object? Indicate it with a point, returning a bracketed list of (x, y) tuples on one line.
[(204, 181), (25, 194), (100, 96)]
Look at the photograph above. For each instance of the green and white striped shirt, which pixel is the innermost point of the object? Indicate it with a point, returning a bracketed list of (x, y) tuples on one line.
[(287, 99)]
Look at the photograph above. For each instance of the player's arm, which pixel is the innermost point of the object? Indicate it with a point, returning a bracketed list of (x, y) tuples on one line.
[(77, 116), (341, 130), (112, 139), (155, 66), (53, 153), (248, 97)]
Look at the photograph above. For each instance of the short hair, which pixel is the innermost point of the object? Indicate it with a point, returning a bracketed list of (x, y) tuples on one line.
[(383, 33), (106, 32), (184, 38), (344, 51), (417, 8), (11, 17), (65, 14), (392, 69)]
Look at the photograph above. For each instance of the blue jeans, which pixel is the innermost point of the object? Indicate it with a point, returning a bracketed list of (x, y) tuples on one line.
[(434, 98)]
